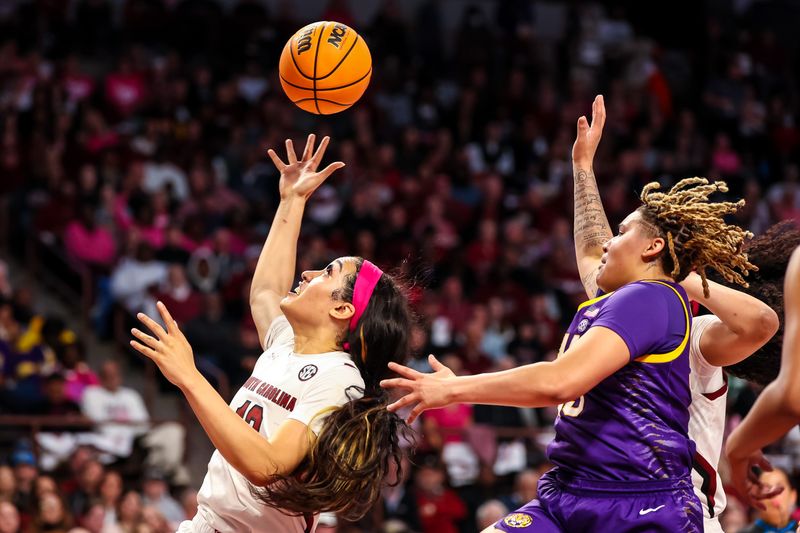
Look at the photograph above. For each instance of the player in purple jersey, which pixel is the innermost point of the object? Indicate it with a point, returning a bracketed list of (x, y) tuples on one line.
[(622, 454)]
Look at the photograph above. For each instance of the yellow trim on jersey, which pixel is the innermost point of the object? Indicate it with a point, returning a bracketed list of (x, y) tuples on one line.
[(594, 300), (674, 354)]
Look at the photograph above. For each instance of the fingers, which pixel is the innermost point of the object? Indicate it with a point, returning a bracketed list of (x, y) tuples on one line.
[(435, 364), (583, 125), (145, 338), (172, 326), (764, 464), (601, 111), (309, 147), (152, 325), (317, 159), (280, 165), (144, 350), (408, 399), (290, 153), (397, 383), (330, 169), (404, 371), (765, 492), (415, 412)]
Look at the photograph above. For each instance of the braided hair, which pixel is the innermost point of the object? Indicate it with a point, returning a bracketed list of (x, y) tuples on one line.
[(695, 230)]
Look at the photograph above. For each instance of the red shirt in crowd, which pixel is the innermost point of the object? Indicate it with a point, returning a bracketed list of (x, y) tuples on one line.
[(439, 513)]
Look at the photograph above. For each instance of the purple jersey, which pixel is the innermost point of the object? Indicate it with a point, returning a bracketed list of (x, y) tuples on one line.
[(632, 426)]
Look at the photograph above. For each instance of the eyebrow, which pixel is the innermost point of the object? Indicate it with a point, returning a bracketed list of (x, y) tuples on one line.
[(339, 262)]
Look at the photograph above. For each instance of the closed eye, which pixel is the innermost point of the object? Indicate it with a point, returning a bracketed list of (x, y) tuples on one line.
[(328, 270)]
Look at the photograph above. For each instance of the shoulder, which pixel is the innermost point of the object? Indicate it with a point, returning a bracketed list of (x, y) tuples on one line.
[(336, 372), (279, 333), (652, 294)]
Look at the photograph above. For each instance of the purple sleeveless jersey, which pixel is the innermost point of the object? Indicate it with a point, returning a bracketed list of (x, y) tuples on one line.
[(633, 426)]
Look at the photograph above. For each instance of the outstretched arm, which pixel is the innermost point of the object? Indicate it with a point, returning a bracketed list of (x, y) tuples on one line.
[(252, 455), (591, 229), (276, 264), (537, 385), (777, 409), (743, 323)]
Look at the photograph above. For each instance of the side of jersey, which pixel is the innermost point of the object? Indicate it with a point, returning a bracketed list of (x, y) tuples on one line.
[(707, 422), (283, 386), (632, 426)]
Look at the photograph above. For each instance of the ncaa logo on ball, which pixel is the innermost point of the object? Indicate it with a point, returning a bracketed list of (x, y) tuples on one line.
[(518, 520), (583, 325), (307, 372)]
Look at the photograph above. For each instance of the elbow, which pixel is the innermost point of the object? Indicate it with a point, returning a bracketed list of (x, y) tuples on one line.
[(765, 325), (257, 479), (558, 391), (789, 394)]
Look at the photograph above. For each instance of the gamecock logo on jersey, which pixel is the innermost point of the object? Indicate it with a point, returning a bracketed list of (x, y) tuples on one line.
[(518, 520), (307, 372)]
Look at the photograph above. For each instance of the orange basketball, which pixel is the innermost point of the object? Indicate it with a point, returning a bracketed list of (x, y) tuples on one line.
[(325, 67)]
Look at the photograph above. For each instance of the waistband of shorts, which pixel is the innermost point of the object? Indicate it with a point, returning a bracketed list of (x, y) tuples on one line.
[(571, 483)]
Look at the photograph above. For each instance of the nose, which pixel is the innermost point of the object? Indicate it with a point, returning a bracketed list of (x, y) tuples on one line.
[(308, 275)]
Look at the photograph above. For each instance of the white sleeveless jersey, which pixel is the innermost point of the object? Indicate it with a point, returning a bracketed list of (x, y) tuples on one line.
[(283, 386), (706, 425)]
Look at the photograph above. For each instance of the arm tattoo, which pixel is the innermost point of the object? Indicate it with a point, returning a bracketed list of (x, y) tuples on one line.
[(591, 225)]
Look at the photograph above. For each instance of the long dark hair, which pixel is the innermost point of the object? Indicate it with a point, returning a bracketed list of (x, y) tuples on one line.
[(346, 468), (770, 252)]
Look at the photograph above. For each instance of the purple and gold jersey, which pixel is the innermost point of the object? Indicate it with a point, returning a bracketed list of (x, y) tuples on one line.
[(633, 426)]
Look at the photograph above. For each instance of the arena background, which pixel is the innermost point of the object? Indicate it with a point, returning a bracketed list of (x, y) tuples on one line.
[(133, 167)]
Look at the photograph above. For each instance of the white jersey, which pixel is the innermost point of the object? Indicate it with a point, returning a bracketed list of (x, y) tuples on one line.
[(284, 385), (706, 425)]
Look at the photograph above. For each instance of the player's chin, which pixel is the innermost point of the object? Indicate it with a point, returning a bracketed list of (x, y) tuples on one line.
[(289, 299)]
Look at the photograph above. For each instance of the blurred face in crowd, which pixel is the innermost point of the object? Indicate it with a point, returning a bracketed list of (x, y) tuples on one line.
[(430, 480), (625, 256), (154, 489), (111, 488), (7, 482), (130, 508), (93, 519), (51, 509), (781, 506), (25, 475), (9, 518), (45, 485), (526, 485), (313, 304), (110, 376)]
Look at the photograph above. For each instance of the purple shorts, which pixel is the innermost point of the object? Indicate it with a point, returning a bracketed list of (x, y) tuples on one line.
[(575, 506)]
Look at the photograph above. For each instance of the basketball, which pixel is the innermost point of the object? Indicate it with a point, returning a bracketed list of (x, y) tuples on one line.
[(325, 67)]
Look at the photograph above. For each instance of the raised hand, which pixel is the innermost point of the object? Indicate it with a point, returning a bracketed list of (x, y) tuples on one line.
[(423, 391), (169, 349), (300, 178), (746, 481), (589, 136)]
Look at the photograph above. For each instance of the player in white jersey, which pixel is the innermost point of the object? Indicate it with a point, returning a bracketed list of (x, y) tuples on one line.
[(308, 432), (741, 323)]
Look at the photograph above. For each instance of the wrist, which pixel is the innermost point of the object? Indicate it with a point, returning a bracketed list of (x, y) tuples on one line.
[(191, 382), (583, 162)]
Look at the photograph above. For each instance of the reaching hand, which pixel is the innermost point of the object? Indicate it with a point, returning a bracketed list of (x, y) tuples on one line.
[(424, 391), (589, 136), (169, 349), (747, 482), (300, 178)]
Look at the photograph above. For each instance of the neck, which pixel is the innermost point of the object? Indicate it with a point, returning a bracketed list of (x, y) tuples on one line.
[(314, 342)]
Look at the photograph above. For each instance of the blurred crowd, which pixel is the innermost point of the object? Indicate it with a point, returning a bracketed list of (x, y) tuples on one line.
[(133, 138)]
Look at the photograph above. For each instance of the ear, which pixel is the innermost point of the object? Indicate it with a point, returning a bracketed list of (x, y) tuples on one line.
[(342, 311), (654, 249)]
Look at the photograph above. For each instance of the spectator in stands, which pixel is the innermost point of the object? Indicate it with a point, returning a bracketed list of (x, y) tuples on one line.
[(189, 502), (25, 472), (489, 513), (440, 509), (137, 274), (177, 293), (110, 496), (129, 512), (87, 242), (525, 489), (777, 516), (8, 484), (77, 374), (9, 518), (55, 401), (93, 519), (155, 493), (399, 501), (51, 514), (88, 488)]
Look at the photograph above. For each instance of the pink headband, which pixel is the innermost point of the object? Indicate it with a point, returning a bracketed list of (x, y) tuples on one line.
[(366, 280)]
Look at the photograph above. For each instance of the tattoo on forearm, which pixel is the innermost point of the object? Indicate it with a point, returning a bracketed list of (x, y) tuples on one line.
[(591, 225)]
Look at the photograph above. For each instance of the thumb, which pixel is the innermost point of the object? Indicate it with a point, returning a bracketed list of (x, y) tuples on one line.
[(583, 125), (435, 364)]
